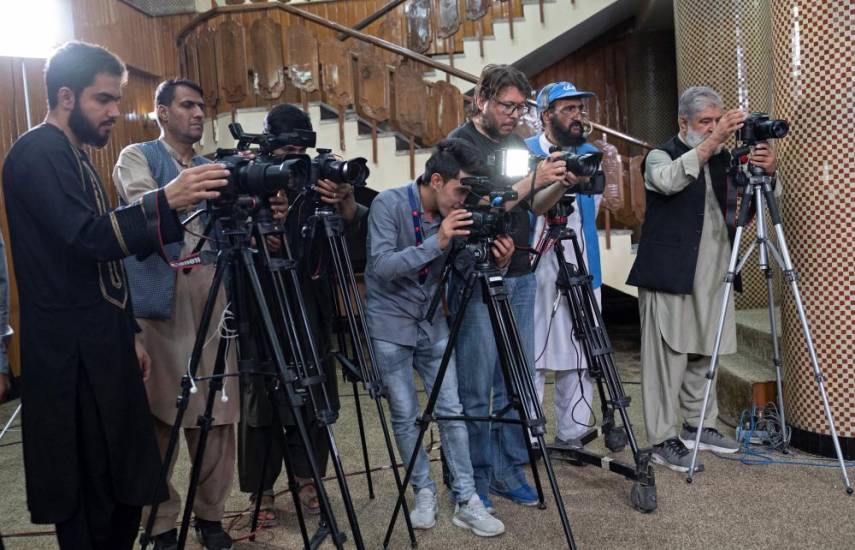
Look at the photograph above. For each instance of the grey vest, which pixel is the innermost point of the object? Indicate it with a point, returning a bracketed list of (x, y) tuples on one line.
[(152, 281)]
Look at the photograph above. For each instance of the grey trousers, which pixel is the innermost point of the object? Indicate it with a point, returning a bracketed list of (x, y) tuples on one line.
[(671, 380)]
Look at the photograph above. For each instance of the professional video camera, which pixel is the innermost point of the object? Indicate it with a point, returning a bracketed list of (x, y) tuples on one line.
[(266, 174), (491, 219), (516, 163)]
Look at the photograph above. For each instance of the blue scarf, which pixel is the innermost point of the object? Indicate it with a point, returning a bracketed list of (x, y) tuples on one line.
[(587, 209)]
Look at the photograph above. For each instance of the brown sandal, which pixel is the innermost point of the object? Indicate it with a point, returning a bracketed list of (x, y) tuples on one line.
[(309, 497), (268, 515)]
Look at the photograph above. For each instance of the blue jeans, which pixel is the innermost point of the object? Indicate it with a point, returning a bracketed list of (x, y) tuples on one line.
[(397, 364), (499, 453)]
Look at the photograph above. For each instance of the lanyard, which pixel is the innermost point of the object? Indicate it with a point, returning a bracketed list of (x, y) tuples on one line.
[(417, 227)]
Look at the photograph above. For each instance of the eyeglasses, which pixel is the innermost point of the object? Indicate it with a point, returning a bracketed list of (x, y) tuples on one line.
[(509, 107), (571, 110)]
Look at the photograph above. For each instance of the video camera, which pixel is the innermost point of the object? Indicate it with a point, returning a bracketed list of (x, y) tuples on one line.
[(516, 163), (267, 173), (488, 220)]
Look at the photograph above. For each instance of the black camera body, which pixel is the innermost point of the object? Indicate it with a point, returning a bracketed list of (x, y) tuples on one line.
[(327, 166), (261, 177), (761, 127), (491, 220), (268, 174), (585, 165)]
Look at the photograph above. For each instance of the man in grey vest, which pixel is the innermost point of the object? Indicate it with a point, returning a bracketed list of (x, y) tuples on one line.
[(168, 305), (682, 259)]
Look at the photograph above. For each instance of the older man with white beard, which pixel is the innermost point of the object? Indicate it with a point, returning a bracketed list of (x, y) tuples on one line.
[(682, 260)]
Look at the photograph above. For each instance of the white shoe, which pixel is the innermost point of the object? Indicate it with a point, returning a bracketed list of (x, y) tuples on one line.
[(423, 514), (473, 516)]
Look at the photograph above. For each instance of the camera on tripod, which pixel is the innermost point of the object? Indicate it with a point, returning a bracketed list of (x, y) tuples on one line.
[(757, 127), (516, 163), (760, 127), (488, 220), (264, 175), (268, 173)]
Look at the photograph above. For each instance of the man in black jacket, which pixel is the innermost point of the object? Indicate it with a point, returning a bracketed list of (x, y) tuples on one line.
[(682, 259), (90, 456)]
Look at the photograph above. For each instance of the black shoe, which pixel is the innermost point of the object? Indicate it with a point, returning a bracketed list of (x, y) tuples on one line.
[(166, 541), (211, 535)]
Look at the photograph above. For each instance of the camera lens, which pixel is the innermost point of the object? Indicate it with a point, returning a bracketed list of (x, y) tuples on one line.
[(772, 129)]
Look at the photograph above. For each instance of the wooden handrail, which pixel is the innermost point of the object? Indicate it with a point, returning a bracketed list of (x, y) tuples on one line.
[(372, 18), (379, 42)]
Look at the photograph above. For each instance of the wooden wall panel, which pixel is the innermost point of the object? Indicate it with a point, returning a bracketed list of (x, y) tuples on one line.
[(599, 67), (143, 42)]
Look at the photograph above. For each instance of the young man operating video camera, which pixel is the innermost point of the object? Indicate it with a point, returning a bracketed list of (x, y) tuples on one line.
[(410, 233)]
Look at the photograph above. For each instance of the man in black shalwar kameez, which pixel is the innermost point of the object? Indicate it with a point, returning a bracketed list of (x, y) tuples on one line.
[(90, 456)]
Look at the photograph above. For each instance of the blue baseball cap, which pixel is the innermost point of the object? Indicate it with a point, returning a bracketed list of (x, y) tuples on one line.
[(556, 91)]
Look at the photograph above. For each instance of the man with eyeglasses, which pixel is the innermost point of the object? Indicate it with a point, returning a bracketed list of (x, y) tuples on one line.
[(561, 108), (498, 452)]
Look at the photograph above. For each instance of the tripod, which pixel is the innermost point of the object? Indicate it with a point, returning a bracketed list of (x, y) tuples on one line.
[(300, 380), (522, 397), (362, 367), (574, 284), (758, 190)]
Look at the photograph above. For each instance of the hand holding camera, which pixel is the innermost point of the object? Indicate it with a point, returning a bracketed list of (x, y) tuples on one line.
[(195, 185), (551, 169), (338, 194), (764, 157), (503, 250), (732, 121), (454, 225)]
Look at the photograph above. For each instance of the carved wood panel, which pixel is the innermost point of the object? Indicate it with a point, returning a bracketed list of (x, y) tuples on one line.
[(303, 58), (336, 72), (373, 77), (419, 31), (190, 58), (446, 111), (638, 200), (476, 9), (447, 18), (231, 62), (391, 29), (268, 67), (411, 101), (208, 77)]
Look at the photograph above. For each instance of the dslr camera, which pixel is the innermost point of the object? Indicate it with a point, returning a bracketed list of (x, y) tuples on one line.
[(761, 127)]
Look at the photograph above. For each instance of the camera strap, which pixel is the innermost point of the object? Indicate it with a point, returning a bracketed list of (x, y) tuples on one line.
[(417, 227)]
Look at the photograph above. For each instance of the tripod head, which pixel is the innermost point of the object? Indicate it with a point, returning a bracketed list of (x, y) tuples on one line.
[(563, 209)]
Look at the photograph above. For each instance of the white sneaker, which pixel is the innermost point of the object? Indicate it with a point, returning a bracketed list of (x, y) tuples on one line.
[(423, 514), (473, 516)]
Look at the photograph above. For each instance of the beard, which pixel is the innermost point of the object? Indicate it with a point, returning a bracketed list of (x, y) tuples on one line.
[(86, 131), (693, 139), (571, 135), (491, 126)]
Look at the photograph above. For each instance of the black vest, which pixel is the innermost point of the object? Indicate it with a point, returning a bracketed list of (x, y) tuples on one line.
[(671, 233)]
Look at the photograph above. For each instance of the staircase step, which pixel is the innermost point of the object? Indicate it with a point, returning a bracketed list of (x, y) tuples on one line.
[(754, 333), (741, 382)]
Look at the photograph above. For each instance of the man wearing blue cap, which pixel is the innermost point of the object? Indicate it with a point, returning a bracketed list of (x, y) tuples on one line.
[(561, 108)]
